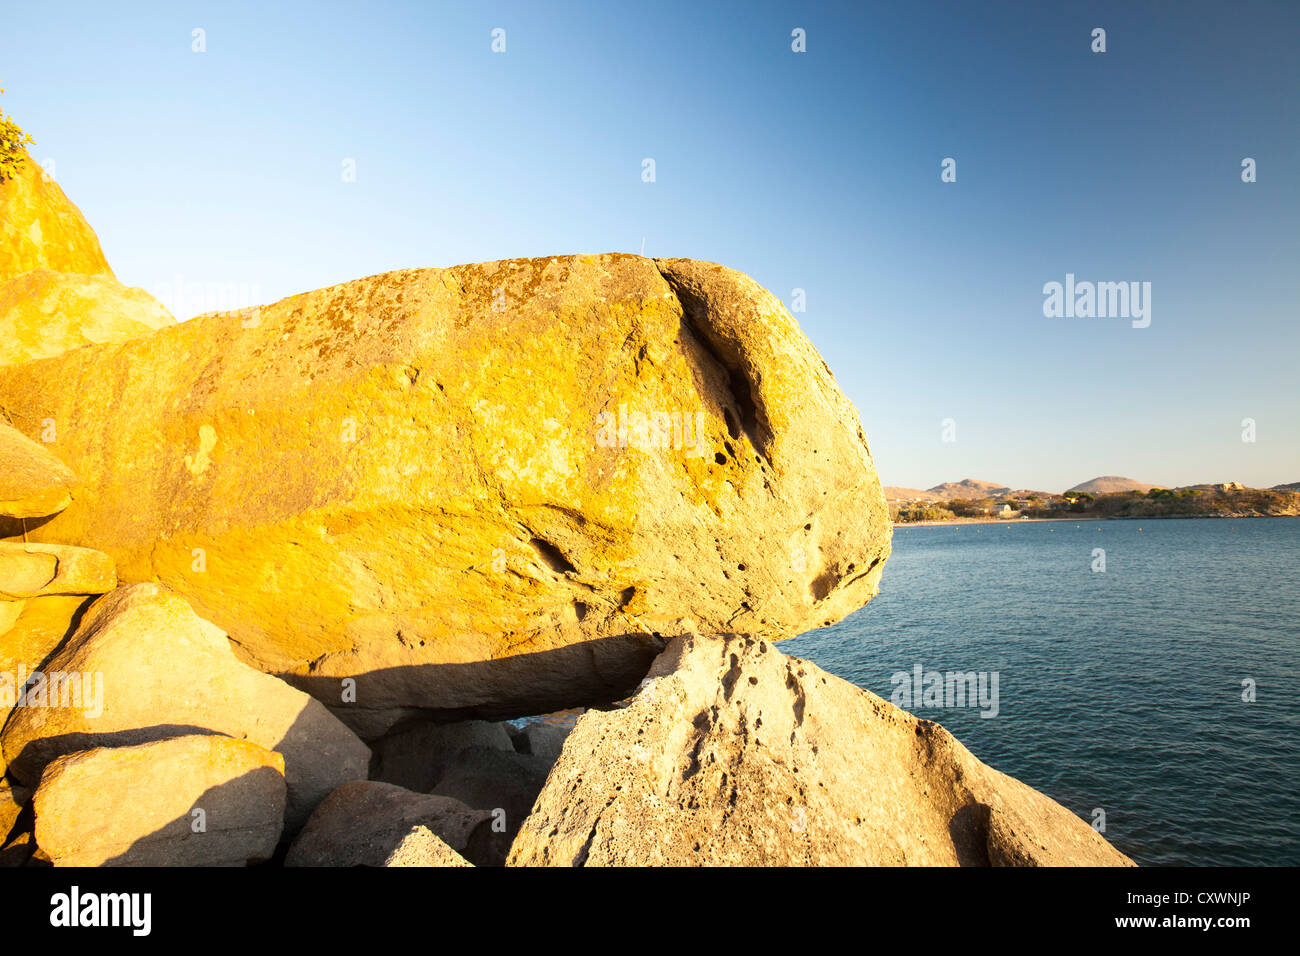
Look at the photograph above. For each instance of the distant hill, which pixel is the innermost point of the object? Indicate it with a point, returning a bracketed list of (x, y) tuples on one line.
[(968, 488), (972, 488), (1107, 484), (1022, 493), (893, 493)]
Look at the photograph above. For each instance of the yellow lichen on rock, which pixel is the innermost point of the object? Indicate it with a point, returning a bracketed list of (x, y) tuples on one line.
[(46, 313), (40, 228), (490, 489), (33, 483)]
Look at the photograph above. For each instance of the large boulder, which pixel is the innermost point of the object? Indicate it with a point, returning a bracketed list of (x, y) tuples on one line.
[(486, 491), (161, 671), (47, 313), (364, 823), (186, 801), (33, 483), (40, 228), (733, 754)]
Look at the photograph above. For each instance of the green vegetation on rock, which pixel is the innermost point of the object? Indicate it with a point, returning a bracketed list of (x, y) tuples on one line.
[(12, 140)]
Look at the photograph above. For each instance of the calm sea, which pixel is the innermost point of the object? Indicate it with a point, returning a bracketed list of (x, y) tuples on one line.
[(1118, 689)]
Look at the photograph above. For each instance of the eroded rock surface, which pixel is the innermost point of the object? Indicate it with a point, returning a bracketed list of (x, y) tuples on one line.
[(734, 754)]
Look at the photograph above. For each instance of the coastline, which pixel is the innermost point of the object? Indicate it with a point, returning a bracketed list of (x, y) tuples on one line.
[(991, 521), (1077, 518)]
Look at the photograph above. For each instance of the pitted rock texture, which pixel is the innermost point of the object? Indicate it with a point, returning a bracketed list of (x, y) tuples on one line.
[(733, 754)]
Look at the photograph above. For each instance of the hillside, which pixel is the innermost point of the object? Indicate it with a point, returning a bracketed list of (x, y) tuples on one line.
[(893, 493), (1109, 484), (968, 488)]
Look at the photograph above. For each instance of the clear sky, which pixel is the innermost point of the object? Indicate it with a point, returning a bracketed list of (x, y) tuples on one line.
[(817, 170)]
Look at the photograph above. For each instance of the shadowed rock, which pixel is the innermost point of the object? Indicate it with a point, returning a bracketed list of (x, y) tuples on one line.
[(158, 670), (733, 754), (21, 850), (417, 756), (12, 801), (363, 823), (542, 739), (503, 782), (136, 806), (444, 468)]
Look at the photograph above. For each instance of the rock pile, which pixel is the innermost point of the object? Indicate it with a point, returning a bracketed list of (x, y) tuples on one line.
[(362, 530)]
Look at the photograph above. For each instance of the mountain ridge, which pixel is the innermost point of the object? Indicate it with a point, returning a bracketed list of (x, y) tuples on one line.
[(1101, 485)]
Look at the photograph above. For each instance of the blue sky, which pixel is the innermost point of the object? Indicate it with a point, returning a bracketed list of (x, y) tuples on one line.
[(816, 170)]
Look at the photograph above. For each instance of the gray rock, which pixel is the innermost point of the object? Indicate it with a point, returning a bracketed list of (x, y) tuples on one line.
[(422, 847), (545, 740), (733, 754), (416, 756), (502, 782), (364, 822)]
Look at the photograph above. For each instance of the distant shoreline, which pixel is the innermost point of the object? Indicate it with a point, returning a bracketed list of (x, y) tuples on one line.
[(1075, 518), (1006, 521)]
